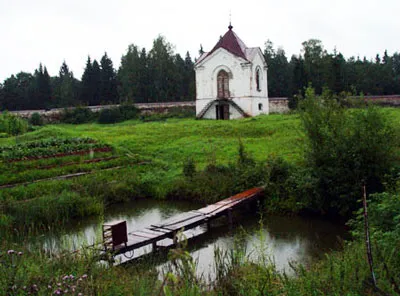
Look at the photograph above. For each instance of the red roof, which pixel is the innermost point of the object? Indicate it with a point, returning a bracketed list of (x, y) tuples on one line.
[(232, 43)]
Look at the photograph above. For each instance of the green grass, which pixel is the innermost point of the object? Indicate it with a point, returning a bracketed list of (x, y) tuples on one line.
[(162, 147), (173, 140)]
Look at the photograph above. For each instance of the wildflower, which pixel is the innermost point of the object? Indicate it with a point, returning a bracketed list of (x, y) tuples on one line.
[(59, 284), (9, 252), (20, 253), (84, 276), (14, 287), (65, 277), (66, 291), (57, 292), (71, 277), (80, 294), (49, 287)]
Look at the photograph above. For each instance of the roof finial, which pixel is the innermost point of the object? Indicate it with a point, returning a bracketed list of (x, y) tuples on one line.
[(230, 27)]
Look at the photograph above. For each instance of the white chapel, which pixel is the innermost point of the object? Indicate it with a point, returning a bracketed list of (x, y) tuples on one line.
[(231, 80)]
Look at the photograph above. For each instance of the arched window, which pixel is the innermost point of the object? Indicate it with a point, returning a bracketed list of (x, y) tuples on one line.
[(223, 84), (258, 79)]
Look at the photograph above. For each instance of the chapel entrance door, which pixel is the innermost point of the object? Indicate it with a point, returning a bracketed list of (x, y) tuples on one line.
[(222, 111)]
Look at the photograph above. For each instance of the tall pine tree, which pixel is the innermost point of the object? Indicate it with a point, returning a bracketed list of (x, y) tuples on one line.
[(108, 84)]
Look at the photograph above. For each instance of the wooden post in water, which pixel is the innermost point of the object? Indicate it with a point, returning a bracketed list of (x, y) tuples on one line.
[(175, 238), (229, 216), (154, 246), (208, 223)]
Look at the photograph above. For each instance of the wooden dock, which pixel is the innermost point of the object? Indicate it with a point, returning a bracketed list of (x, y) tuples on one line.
[(117, 240)]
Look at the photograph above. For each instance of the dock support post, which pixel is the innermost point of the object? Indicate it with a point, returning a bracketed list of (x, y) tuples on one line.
[(154, 246), (229, 216), (175, 238), (208, 223)]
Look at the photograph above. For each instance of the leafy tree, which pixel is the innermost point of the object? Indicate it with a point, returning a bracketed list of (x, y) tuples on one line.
[(18, 92), (161, 66), (313, 55), (133, 75)]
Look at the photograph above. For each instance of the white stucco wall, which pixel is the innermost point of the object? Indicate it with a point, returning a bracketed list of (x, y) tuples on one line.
[(242, 82)]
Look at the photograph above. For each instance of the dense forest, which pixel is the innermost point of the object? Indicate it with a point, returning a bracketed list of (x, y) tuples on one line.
[(162, 75)]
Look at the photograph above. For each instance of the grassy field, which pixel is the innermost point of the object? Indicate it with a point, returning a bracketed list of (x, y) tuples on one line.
[(147, 158), (171, 141)]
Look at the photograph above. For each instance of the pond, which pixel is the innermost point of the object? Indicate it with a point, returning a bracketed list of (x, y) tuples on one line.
[(283, 239)]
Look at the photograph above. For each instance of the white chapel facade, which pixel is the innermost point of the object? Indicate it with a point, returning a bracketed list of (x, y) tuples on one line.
[(231, 80)]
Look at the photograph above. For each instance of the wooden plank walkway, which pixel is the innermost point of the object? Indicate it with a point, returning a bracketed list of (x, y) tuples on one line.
[(169, 228)]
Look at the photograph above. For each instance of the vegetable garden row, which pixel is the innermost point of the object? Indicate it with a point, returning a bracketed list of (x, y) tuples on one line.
[(51, 148)]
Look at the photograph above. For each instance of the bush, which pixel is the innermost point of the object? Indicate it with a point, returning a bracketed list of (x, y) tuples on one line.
[(12, 125), (128, 111), (118, 114), (189, 168), (36, 119), (77, 115), (345, 148), (111, 115)]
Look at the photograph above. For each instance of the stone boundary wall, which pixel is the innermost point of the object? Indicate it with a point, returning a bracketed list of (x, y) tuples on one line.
[(393, 100), (145, 108), (278, 105)]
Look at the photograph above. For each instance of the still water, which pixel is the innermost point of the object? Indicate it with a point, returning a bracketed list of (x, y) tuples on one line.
[(283, 239)]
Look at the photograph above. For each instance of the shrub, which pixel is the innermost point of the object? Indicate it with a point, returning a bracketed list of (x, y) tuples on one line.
[(128, 111), (111, 115), (189, 168), (118, 114), (36, 119), (345, 148), (12, 124), (77, 115)]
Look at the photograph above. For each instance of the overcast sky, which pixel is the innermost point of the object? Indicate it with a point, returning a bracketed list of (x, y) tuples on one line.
[(51, 31)]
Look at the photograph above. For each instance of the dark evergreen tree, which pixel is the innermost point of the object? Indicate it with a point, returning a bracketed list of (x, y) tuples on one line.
[(279, 71), (41, 98), (108, 90), (189, 79), (299, 81), (96, 84), (65, 87), (178, 78), (91, 83), (86, 95)]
